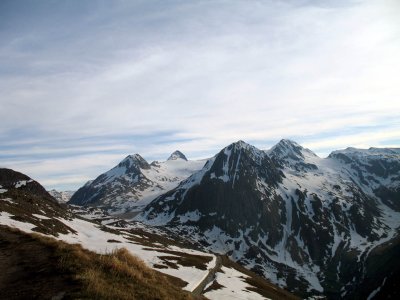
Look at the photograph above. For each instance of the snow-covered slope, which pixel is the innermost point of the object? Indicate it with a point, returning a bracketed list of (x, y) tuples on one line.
[(304, 222), (61, 196), (133, 183)]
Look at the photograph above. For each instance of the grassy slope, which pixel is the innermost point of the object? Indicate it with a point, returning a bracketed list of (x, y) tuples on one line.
[(40, 267)]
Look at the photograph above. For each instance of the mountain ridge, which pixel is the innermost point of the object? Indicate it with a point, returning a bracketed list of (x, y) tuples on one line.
[(284, 198), (286, 213), (133, 182)]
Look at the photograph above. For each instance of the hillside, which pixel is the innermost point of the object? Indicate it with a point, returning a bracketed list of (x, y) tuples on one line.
[(38, 267)]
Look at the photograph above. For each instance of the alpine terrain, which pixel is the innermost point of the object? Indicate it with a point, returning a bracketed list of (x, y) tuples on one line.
[(134, 182), (50, 250), (61, 196), (317, 226)]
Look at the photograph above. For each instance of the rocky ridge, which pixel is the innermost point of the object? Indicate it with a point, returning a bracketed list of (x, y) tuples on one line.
[(133, 183), (306, 223)]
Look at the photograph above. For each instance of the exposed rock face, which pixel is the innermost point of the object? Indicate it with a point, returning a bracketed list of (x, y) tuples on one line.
[(304, 222), (177, 155), (61, 196)]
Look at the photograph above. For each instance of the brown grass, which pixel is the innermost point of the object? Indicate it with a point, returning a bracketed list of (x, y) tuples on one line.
[(23, 205), (184, 259), (117, 275), (214, 286)]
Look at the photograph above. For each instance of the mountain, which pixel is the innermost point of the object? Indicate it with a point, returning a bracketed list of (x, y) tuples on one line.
[(133, 183), (103, 257), (15, 183), (316, 226), (62, 196), (177, 155)]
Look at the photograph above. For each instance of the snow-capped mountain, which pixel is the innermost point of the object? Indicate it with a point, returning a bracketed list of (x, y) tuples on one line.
[(317, 226), (29, 262), (61, 196), (134, 182), (177, 155)]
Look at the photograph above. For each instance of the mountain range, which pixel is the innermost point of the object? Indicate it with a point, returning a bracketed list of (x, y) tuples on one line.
[(133, 183), (318, 227), (50, 250), (312, 225)]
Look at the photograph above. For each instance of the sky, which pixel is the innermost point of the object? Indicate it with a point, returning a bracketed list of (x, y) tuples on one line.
[(85, 83)]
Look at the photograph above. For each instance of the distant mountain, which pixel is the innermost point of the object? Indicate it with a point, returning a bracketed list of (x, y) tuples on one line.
[(62, 196), (177, 155), (134, 182), (317, 226)]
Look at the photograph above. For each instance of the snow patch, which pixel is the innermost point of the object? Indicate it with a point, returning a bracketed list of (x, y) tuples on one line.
[(376, 291), (41, 217), (234, 286), (21, 183)]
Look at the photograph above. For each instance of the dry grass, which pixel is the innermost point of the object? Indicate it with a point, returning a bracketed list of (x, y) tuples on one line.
[(214, 286), (24, 205), (117, 275), (184, 259)]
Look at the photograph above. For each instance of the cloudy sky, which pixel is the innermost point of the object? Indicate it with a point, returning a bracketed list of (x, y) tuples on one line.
[(85, 83)]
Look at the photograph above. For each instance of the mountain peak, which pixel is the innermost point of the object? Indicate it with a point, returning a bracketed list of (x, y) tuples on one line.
[(177, 155), (288, 142), (134, 157), (240, 144), (290, 149), (134, 160)]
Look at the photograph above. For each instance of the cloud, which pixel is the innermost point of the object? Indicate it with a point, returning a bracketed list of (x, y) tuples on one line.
[(152, 77)]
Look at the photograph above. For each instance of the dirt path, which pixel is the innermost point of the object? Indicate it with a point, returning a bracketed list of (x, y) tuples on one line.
[(211, 273), (28, 269)]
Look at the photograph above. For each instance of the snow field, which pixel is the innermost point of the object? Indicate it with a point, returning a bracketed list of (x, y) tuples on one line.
[(234, 286)]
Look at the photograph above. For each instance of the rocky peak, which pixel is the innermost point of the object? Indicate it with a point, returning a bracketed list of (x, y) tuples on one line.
[(241, 160), (177, 155), (240, 144), (241, 147), (290, 154), (134, 161), (287, 149)]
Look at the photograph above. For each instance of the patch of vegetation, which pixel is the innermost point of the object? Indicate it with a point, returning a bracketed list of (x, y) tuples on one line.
[(160, 239), (117, 275), (113, 241), (23, 207), (184, 259), (214, 286)]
